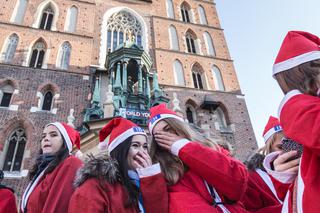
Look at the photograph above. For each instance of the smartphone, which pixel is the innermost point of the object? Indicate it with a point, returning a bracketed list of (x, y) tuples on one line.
[(289, 145)]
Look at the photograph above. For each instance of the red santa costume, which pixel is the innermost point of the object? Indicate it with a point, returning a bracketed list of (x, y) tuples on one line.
[(261, 195), (214, 182), (300, 120), (99, 184), (7, 200), (51, 192)]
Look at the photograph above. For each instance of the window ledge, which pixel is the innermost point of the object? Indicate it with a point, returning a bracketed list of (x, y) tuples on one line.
[(226, 130), (15, 175), (36, 109)]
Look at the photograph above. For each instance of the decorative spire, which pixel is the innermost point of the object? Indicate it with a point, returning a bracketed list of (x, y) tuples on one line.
[(96, 93), (156, 89), (117, 83)]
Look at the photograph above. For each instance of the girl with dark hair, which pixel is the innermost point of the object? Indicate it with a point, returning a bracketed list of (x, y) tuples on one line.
[(123, 181), (52, 176), (201, 176), (297, 71), (261, 195)]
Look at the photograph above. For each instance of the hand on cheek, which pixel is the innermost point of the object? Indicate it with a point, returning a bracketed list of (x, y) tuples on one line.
[(166, 139)]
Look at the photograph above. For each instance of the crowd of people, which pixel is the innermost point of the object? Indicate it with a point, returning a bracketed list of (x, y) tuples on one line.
[(183, 171)]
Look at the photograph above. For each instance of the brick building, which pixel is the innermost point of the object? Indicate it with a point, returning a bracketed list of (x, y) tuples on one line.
[(54, 66)]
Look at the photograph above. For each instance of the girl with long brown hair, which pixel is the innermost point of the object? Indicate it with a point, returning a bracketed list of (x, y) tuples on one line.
[(201, 176)]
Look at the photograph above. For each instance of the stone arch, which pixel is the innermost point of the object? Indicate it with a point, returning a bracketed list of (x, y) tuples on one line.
[(38, 14), (225, 112), (29, 54), (48, 86), (103, 40), (191, 111), (10, 81), (13, 124)]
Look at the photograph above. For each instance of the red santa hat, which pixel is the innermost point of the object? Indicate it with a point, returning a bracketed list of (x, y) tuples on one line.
[(70, 135), (119, 130), (159, 112), (273, 126), (297, 48)]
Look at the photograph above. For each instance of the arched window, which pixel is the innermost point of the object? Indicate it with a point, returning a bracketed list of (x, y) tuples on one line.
[(71, 21), (221, 119), (14, 152), (218, 82), (47, 18), (38, 52), (19, 11), (202, 15), (6, 93), (190, 42), (170, 11), (174, 44), (64, 56), (190, 115), (10, 48), (185, 12), (47, 101), (178, 73), (121, 27), (197, 77), (209, 44)]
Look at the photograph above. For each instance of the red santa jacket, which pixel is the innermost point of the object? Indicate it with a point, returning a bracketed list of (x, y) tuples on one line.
[(7, 201), (300, 120), (99, 189), (207, 167), (52, 192), (261, 195)]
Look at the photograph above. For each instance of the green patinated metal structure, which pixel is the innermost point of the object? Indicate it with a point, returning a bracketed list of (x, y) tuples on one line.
[(134, 84)]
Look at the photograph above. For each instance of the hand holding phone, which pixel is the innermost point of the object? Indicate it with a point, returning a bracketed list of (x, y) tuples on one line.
[(290, 145)]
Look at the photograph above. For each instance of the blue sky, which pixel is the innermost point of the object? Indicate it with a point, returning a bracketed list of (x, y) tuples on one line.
[(254, 31)]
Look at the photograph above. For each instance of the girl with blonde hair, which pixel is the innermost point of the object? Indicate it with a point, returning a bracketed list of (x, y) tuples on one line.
[(261, 194)]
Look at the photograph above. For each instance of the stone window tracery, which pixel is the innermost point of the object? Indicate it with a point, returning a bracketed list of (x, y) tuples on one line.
[(10, 48), (14, 152), (122, 27), (64, 56), (38, 52)]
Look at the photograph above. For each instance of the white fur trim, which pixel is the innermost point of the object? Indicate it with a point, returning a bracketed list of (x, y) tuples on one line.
[(295, 61), (286, 98), (29, 190), (283, 177), (122, 137), (64, 134), (103, 145), (149, 171), (271, 131), (179, 144), (79, 154), (300, 189), (266, 178), (155, 119)]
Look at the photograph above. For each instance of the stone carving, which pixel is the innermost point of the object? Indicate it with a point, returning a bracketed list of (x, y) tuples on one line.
[(71, 118), (176, 103)]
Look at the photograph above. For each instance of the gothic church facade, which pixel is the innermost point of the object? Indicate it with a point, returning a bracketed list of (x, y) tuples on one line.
[(54, 52)]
